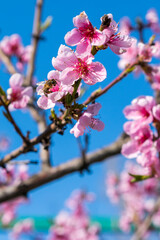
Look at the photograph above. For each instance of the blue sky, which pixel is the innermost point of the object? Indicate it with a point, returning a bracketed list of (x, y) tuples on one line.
[(16, 17)]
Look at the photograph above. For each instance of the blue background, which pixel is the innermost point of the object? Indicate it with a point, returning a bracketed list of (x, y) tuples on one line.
[(17, 17)]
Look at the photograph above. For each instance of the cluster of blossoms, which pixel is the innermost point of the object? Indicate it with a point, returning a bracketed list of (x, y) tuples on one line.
[(73, 66), (143, 52), (12, 46), (24, 227), (18, 95), (153, 20), (143, 129), (11, 176), (138, 198), (75, 225), (151, 17)]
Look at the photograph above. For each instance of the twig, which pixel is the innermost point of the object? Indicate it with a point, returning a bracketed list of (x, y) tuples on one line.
[(7, 62), (39, 117), (26, 162), (74, 165), (11, 120), (143, 228), (36, 114), (52, 127), (29, 147), (35, 39), (123, 74)]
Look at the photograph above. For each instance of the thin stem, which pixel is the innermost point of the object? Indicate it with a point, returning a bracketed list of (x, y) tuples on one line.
[(123, 74), (69, 167), (144, 227), (35, 40), (11, 120), (7, 62)]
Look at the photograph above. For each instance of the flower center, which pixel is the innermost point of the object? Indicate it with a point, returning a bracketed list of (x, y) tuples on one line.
[(15, 95), (87, 31), (81, 67)]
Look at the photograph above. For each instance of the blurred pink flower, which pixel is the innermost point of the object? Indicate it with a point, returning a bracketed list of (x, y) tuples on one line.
[(18, 95)]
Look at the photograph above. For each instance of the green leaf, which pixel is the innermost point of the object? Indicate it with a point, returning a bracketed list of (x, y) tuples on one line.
[(151, 40), (76, 85), (130, 69), (68, 99), (54, 116), (138, 178), (2, 92), (47, 23)]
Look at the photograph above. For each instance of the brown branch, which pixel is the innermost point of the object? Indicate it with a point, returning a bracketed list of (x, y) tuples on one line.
[(7, 62), (12, 121), (123, 74), (143, 228), (36, 114), (39, 117), (52, 127), (35, 39), (29, 147), (60, 171)]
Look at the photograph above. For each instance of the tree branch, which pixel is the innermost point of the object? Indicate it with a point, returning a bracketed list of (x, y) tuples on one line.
[(11, 120), (29, 147), (7, 62), (123, 74), (143, 228), (35, 39), (36, 114), (62, 170)]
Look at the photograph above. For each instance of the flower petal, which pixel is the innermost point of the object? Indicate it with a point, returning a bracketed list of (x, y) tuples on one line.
[(73, 37)]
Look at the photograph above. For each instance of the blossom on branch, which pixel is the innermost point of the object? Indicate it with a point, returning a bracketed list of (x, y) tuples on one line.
[(117, 42), (84, 35), (74, 66), (17, 95), (153, 20), (75, 225), (52, 90), (143, 131), (12, 46), (87, 120)]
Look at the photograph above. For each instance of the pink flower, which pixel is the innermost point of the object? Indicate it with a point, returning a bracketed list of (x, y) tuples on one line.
[(125, 26), (11, 45), (111, 191), (23, 57), (149, 158), (144, 52), (18, 95), (74, 225), (155, 77), (153, 20), (140, 111), (156, 49), (22, 227), (132, 148), (87, 120), (84, 35), (118, 43), (4, 143), (74, 67), (51, 90), (156, 112), (129, 56)]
